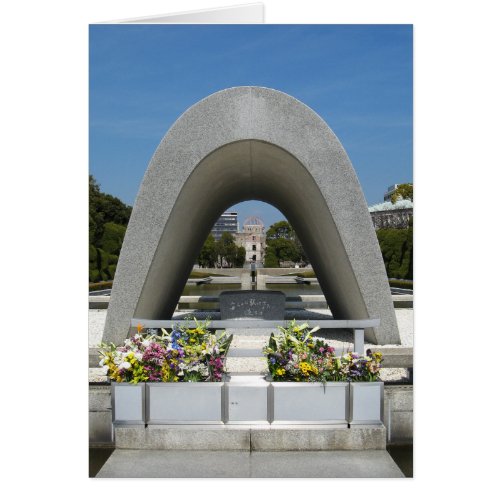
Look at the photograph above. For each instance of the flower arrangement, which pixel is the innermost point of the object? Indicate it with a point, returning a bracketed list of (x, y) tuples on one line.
[(184, 354), (293, 354)]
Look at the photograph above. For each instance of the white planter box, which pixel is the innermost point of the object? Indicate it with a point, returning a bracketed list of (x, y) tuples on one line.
[(246, 398), (310, 403), (128, 403), (184, 402), (366, 403)]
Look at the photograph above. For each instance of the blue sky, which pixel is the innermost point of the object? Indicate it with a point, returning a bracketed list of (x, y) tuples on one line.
[(358, 78)]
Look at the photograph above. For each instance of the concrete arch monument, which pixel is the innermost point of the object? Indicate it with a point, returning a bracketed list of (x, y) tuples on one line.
[(239, 144)]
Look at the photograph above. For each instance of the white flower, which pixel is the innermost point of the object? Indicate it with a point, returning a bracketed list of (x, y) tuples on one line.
[(138, 356), (103, 361), (125, 365), (146, 343), (117, 360), (105, 370)]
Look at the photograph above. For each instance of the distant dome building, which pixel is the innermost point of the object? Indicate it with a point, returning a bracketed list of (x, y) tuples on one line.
[(253, 239)]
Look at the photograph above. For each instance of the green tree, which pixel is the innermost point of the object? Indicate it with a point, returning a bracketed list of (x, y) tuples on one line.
[(403, 192), (112, 237), (283, 250), (270, 259), (227, 249), (208, 254), (108, 219), (240, 257), (281, 229), (283, 245)]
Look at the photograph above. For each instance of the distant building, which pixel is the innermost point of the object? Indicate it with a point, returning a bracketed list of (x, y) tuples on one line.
[(253, 239), (391, 215), (390, 191), (227, 222)]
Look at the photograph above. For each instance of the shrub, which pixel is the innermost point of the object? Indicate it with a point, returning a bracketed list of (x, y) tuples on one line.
[(92, 254), (270, 259), (112, 238), (396, 246), (112, 270), (94, 275)]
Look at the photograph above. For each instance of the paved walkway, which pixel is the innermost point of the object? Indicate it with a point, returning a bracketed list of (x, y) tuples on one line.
[(303, 464)]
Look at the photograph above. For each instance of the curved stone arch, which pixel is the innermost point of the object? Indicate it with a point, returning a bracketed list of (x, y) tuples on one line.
[(239, 144)]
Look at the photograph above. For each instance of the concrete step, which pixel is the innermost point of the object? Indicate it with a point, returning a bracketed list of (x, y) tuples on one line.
[(238, 365), (159, 463), (249, 341), (247, 437)]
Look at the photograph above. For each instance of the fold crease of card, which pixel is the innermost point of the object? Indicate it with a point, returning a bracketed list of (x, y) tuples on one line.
[(238, 14)]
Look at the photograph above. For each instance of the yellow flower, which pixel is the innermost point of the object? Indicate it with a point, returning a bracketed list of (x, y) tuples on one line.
[(280, 372), (305, 368)]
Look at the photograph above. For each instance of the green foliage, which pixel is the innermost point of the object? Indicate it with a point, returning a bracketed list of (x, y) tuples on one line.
[(226, 249), (94, 275), (283, 245), (403, 192), (396, 246), (208, 254), (92, 254), (270, 259), (108, 219), (222, 252), (112, 238), (111, 270), (283, 249), (281, 229), (240, 257), (102, 259)]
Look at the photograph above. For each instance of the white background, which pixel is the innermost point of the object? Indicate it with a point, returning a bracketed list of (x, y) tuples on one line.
[(44, 274)]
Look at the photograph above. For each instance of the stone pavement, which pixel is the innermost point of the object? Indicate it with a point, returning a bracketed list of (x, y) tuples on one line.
[(303, 464)]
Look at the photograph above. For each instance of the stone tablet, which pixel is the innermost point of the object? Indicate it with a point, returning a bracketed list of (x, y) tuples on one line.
[(248, 304)]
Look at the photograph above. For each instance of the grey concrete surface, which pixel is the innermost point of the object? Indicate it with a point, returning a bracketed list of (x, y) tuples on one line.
[(176, 464), (250, 143), (398, 414), (318, 437), (100, 427), (245, 437), (182, 437), (97, 318)]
